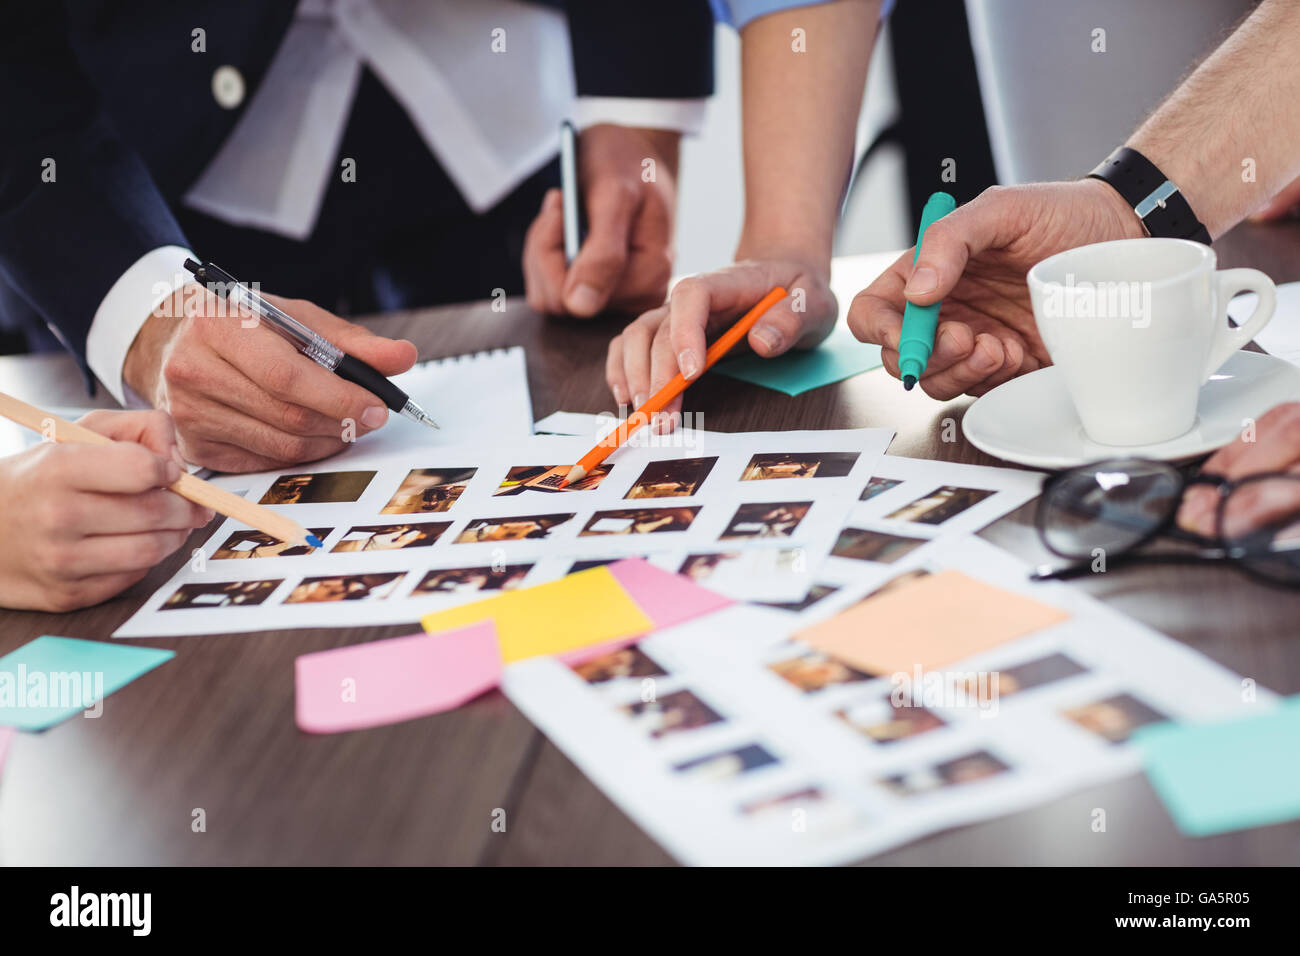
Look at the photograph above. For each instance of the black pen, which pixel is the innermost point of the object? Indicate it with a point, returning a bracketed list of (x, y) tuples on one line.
[(320, 350)]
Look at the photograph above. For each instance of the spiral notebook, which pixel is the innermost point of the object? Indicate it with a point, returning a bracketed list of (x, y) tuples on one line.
[(468, 396)]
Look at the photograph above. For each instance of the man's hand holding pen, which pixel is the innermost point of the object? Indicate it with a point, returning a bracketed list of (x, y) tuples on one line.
[(243, 399)]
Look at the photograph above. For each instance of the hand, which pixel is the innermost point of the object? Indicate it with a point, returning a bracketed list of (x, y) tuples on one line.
[(672, 338), (243, 398), (1276, 447), (83, 522), (626, 260), (1285, 205), (975, 259)]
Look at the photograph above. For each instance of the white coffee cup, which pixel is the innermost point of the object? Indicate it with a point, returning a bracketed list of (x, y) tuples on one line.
[(1137, 326)]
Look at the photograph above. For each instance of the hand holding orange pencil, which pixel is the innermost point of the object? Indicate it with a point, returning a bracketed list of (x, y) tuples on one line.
[(656, 402)]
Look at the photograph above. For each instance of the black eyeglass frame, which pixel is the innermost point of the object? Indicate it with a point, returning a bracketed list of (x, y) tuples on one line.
[(1212, 549)]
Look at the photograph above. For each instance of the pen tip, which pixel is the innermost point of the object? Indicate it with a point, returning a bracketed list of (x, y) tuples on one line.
[(909, 382)]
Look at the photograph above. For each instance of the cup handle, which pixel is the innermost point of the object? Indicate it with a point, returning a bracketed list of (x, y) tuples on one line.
[(1228, 340)]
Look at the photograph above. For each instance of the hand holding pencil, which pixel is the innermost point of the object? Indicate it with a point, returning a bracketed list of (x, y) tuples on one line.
[(657, 402), (91, 512), (80, 522)]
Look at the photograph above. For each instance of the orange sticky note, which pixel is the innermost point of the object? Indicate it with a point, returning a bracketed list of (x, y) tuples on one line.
[(931, 622), (588, 607)]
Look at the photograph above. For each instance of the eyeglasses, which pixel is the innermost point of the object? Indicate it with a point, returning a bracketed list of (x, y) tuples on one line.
[(1111, 508)]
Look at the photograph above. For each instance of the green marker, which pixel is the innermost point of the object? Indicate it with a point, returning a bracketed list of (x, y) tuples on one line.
[(919, 321)]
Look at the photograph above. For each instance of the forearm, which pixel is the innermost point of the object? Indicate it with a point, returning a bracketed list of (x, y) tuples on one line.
[(1238, 106), (800, 122)]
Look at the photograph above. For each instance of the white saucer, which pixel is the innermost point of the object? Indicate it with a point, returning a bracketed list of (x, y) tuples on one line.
[(1031, 420)]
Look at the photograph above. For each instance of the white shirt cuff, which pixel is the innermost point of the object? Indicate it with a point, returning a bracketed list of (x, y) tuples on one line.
[(683, 116), (121, 313)]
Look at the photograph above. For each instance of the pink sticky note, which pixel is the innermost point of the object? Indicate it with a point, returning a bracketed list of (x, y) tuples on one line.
[(384, 682), (7, 735), (666, 598)]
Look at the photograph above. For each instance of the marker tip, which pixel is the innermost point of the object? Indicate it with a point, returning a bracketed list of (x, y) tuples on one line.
[(909, 382)]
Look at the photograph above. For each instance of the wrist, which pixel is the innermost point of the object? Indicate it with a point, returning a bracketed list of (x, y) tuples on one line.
[(1118, 217), (812, 252), (144, 356), (609, 139)]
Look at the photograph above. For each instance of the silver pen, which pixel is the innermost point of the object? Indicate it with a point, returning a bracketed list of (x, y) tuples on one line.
[(317, 348)]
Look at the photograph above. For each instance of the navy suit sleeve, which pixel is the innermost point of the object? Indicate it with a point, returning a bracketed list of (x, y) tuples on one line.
[(657, 50), (77, 206)]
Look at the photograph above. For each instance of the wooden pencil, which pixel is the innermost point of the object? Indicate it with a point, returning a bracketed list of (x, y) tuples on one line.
[(187, 486), (656, 402)]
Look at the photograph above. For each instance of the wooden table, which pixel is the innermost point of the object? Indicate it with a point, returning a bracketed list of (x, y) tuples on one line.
[(214, 728)]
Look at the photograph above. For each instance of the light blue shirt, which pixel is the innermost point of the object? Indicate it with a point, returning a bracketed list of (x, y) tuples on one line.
[(740, 12)]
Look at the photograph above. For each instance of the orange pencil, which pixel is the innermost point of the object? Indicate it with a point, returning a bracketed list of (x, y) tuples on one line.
[(656, 402)]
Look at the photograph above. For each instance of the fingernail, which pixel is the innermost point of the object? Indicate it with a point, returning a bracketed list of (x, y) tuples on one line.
[(769, 336), (179, 458), (172, 472), (207, 515), (638, 400), (982, 361), (687, 362), (620, 395), (584, 300), (923, 280), (374, 416)]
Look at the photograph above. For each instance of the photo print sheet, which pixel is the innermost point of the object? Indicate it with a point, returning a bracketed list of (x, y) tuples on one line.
[(416, 532), (735, 741)]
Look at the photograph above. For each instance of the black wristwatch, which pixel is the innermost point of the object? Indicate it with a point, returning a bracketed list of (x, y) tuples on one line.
[(1156, 200)]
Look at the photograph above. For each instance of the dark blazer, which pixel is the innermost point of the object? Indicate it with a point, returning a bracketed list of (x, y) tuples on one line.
[(113, 94)]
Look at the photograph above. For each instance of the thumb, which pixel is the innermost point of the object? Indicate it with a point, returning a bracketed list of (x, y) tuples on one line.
[(599, 264), (386, 356), (949, 243)]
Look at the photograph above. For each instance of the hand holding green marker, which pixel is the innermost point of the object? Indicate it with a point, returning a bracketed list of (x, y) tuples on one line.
[(916, 341)]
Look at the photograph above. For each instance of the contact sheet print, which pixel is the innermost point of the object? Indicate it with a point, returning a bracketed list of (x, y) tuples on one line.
[(408, 533), (731, 742)]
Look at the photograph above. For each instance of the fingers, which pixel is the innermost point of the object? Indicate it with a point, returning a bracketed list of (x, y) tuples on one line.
[(876, 313), (987, 221), (644, 284), (717, 298), (544, 264), (118, 554), (97, 513), (274, 396), (260, 445), (154, 429), (286, 390), (663, 368), (986, 359), (637, 340), (387, 356), (1273, 445), (120, 468), (614, 373), (611, 206)]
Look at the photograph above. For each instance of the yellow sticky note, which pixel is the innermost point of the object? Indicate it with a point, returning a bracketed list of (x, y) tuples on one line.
[(928, 623), (589, 607)]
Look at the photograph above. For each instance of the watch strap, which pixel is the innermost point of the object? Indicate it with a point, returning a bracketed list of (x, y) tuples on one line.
[(1155, 199)]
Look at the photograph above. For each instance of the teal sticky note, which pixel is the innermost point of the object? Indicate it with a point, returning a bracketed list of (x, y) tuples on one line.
[(1218, 777), (841, 356), (50, 679)]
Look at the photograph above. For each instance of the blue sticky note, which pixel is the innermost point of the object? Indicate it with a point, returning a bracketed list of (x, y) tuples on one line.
[(50, 679), (841, 356), (1218, 777)]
